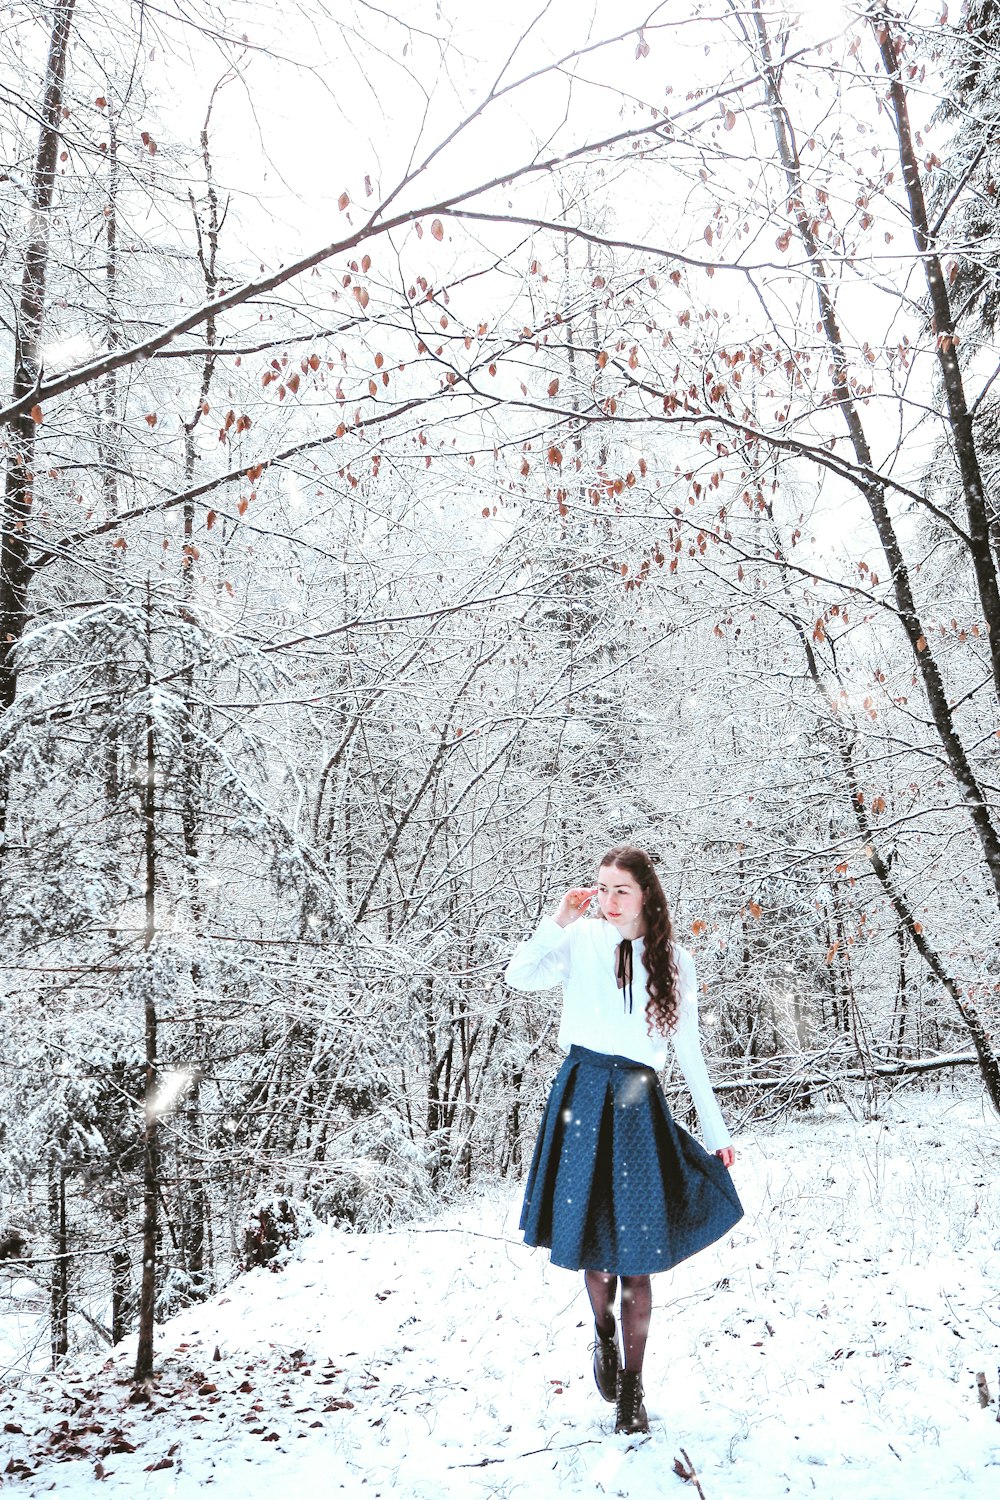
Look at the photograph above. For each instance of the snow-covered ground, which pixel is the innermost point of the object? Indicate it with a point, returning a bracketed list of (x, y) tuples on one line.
[(829, 1346)]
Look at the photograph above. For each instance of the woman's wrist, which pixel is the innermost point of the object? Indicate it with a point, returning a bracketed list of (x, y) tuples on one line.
[(573, 904)]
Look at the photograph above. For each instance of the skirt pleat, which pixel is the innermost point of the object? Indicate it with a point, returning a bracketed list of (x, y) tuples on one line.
[(615, 1184)]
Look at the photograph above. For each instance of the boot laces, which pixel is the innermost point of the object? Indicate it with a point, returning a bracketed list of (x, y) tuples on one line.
[(631, 1396)]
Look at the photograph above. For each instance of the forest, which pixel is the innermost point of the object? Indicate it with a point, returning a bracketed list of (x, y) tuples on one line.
[(441, 443)]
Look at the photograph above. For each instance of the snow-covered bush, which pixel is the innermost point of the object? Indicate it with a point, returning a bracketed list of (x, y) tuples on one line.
[(273, 1229)]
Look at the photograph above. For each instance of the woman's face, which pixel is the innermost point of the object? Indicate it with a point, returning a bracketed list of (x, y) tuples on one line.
[(619, 896)]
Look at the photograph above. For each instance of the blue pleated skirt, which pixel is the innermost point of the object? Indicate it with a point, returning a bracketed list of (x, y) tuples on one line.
[(615, 1184)]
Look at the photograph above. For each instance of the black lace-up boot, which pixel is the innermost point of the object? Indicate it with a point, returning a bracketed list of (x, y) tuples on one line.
[(607, 1363), (630, 1413)]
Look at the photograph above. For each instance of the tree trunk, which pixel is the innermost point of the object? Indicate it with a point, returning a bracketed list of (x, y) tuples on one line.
[(989, 1063), (15, 569), (190, 1159), (870, 485), (902, 997), (943, 326), (59, 1291), (109, 442), (150, 1134), (121, 1271)]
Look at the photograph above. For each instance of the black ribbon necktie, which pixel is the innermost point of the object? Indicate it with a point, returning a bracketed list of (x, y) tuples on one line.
[(623, 971)]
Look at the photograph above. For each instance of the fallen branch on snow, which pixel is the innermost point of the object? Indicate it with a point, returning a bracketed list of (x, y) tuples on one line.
[(824, 1079), (504, 1458)]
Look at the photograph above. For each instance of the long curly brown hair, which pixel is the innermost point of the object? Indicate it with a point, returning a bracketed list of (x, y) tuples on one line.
[(662, 985)]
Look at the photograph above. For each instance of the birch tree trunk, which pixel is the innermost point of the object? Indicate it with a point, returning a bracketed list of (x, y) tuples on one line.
[(151, 1139)]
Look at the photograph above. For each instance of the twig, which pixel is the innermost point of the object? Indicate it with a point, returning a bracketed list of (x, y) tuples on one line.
[(687, 1472), (481, 1463), (479, 1234)]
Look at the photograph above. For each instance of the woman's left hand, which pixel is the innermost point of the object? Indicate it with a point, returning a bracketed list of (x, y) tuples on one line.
[(726, 1155)]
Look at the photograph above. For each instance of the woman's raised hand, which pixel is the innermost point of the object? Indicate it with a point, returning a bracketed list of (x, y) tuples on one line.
[(575, 903)]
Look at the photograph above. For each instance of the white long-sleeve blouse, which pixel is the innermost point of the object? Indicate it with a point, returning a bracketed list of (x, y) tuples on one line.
[(595, 1014)]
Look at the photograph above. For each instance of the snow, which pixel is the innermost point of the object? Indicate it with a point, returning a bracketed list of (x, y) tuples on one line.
[(832, 1340)]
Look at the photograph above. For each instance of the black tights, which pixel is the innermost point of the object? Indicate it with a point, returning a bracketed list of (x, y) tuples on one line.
[(637, 1309)]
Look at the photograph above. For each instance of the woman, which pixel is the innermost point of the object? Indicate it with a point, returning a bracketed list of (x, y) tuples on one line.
[(616, 1188)]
